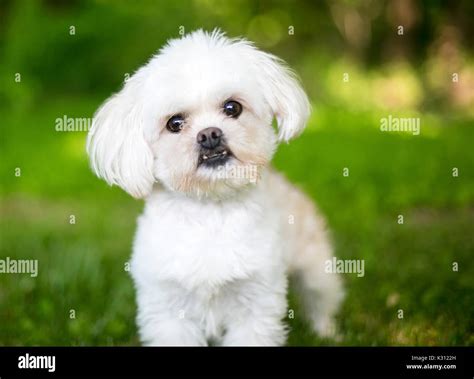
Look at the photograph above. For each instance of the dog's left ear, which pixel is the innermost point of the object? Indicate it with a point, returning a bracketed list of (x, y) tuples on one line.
[(117, 148), (284, 94)]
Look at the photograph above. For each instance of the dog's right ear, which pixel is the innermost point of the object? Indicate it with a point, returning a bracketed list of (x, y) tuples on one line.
[(116, 145), (284, 94)]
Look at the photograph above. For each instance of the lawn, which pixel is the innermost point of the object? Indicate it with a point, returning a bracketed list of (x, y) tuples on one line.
[(83, 294)]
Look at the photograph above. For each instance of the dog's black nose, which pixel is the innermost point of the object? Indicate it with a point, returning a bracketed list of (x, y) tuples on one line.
[(209, 138)]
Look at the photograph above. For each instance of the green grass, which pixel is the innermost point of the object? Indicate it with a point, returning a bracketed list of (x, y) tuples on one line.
[(407, 267)]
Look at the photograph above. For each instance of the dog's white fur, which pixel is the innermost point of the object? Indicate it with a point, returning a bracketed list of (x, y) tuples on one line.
[(212, 254)]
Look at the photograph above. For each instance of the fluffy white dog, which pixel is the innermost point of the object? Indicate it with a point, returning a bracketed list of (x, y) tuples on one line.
[(191, 132)]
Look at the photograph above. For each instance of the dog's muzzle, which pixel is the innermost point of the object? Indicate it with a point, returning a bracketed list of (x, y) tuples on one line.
[(213, 150)]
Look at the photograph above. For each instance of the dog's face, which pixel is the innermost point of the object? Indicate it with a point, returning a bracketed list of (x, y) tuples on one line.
[(197, 118)]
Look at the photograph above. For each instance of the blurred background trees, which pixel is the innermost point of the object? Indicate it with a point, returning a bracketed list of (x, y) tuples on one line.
[(397, 51)]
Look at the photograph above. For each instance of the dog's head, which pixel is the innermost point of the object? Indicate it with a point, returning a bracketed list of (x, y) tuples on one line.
[(197, 118)]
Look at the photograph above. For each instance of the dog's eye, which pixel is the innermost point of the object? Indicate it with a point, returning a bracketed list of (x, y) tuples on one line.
[(232, 108), (175, 123)]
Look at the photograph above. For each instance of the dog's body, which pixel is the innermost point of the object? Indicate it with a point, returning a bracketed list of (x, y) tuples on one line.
[(222, 267), (212, 253)]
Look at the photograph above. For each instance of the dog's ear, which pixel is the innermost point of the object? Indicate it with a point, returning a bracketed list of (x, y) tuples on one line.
[(116, 145), (284, 94)]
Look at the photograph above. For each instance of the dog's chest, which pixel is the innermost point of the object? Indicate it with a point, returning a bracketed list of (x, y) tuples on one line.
[(205, 243)]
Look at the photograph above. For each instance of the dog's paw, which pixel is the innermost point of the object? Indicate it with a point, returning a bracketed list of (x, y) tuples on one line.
[(326, 327)]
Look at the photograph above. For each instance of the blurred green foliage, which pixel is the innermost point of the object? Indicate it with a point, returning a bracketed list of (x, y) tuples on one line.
[(321, 40), (408, 266)]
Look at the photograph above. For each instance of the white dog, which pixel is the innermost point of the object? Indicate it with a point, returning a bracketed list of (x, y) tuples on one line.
[(191, 132)]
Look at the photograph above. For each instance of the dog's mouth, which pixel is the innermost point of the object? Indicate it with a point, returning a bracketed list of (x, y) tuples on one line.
[(215, 157)]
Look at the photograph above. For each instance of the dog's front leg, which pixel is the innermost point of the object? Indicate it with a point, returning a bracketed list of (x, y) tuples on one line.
[(256, 315), (162, 321)]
